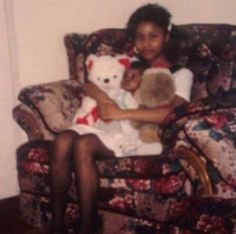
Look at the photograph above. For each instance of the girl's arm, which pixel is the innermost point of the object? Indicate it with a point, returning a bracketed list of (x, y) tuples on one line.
[(94, 92), (110, 111)]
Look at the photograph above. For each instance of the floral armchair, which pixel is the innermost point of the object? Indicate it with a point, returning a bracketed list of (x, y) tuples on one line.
[(190, 187)]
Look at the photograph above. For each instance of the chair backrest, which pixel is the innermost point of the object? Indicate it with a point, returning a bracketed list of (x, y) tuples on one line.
[(209, 50)]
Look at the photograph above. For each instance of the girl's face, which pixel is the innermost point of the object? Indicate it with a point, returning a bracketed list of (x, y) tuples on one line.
[(132, 79), (150, 40)]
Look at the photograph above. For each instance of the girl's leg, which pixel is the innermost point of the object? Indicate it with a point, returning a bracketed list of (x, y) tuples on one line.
[(88, 149), (60, 176)]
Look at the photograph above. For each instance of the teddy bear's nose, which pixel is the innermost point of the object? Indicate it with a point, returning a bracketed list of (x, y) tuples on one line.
[(106, 80)]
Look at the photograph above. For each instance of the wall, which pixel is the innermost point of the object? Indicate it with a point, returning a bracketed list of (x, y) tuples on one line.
[(32, 49), (8, 143), (40, 26)]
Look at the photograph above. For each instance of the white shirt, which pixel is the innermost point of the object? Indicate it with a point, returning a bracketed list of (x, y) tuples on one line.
[(183, 79)]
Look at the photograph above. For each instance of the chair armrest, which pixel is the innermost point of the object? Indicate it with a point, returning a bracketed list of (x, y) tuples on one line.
[(203, 106), (178, 118), (214, 136), (190, 160), (55, 102), (31, 122)]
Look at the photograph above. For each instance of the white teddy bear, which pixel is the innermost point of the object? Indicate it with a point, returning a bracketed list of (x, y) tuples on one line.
[(107, 73)]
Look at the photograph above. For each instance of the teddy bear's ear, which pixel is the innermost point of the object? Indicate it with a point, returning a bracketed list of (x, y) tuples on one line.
[(90, 61), (124, 60)]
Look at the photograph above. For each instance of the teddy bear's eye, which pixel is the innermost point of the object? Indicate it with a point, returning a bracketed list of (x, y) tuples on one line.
[(115, 76)]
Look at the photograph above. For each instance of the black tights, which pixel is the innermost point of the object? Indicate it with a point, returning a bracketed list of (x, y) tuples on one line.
[(82, 151)]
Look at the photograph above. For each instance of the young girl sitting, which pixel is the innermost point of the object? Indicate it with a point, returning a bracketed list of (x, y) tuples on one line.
[(149, 29)]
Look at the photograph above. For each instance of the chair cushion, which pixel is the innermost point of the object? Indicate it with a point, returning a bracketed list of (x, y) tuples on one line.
[(162, 194), (136, 186), (55, 102)]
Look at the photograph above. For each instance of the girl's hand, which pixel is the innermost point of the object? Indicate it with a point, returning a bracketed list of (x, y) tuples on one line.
[(109, 110)]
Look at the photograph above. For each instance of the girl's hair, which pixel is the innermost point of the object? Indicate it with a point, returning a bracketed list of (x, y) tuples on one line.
[(148, 13)]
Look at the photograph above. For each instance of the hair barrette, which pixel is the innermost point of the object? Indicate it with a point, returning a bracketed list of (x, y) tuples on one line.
[(169, 27)]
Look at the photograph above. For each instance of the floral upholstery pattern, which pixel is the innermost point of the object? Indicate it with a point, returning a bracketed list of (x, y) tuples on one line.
[(156, 193), (176, 120), (159, 192), (208, 50), (214, 134), (56, 102), (31, 122)]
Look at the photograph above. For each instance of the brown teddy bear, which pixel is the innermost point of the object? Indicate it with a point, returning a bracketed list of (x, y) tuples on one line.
[(157, 88)]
